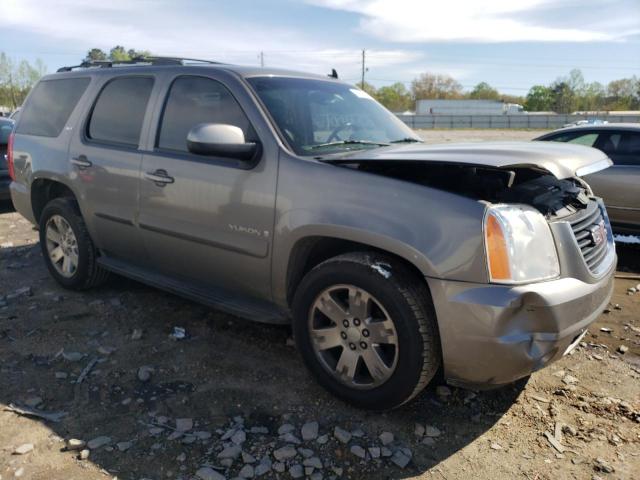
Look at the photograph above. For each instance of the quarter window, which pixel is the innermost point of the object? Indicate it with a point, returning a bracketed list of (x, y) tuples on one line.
[(587, 140), (118, 114), (50, 105), (194, 100)]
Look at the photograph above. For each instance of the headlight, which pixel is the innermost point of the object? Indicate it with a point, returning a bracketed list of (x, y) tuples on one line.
[(519, 245)]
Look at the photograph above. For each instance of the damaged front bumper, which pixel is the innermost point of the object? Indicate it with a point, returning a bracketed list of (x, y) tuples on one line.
[(495, 334)]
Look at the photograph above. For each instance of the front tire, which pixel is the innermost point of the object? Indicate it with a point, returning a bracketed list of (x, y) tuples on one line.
[(365, 326), (67, 248)]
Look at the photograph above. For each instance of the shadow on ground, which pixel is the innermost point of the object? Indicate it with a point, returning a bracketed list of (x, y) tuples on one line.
[(226, 367)]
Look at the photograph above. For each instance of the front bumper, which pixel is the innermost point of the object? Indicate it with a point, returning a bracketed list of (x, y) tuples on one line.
[(495, 334)]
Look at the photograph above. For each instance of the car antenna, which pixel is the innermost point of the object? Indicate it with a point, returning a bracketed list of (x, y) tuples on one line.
[(333, 73)]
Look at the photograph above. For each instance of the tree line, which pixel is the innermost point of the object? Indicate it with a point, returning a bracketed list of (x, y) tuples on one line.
[(564, 95)]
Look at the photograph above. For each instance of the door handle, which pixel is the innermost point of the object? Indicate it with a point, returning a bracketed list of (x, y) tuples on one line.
[(159, 177), (81, 161)]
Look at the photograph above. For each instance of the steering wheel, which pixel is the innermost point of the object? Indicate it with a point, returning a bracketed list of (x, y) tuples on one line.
[(334, 133)]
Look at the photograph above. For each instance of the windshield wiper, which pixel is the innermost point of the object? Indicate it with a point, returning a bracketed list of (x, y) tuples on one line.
[(407, 140), (348, 142)]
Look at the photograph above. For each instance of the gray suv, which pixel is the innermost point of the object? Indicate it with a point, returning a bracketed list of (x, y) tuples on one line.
[(285, 197)]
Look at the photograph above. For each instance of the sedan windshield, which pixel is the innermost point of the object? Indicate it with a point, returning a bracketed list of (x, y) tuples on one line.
[(323, 116)]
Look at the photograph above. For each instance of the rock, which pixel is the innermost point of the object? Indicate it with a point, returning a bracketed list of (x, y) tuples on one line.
[(61, 375), (75, 444), (386, 452), (432, 431), (72, 356), (184, 424), (386, 438), (314, 462), (322, 439), (23, 449), (98, 442), (496, 446), (358, 433), (296, 471), (617, 307), (601, 465), (136, 334), (262, 430), (19, 472), (239, 437), (246, 472), (231, 452), (569, 380), (248, 458), (145, 372), (279, 467), (623, 349), (419, 430), (631, 290), (400, 459), (342, 435), (606, 329), (429, 441), (286, 428), (208, 473), (124, 446), (84, 454), (178, 333), (202, 435), (106, 351), (375, 452), (309, 431), (182, 457), (306, 452), (285, 453), (290, 438), (358, 451), (263, 467)]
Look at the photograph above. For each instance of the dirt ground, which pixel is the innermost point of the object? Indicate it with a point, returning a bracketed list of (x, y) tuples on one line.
[(231, 397)]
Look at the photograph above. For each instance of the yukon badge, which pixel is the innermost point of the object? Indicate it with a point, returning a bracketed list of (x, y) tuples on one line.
[(248, 230)]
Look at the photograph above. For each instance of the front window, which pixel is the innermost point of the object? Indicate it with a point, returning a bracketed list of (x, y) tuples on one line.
[(318, 117)]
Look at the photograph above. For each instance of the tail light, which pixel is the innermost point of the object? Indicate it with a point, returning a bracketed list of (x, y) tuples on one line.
[(12, 171)]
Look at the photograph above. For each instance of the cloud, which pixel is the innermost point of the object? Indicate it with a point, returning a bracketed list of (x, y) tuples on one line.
[(480, 20), (172, 28)]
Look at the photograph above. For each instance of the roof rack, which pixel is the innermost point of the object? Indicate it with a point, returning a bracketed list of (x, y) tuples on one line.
[(138, 61)]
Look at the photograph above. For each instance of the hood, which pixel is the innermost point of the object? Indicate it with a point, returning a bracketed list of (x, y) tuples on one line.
[(560, 159)]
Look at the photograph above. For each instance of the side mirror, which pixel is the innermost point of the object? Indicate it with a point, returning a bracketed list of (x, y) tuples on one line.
[(220, 140)]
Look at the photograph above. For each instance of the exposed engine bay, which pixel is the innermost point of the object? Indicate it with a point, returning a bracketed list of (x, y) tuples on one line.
[(536, 187)]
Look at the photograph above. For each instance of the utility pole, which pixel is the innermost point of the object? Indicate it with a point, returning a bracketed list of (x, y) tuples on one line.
[(363, 68), (262, 59)]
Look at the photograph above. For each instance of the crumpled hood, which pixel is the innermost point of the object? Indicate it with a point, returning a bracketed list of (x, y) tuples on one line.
[(560, 159)]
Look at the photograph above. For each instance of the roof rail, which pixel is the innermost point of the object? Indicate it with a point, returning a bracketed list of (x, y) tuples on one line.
[(137, 61)]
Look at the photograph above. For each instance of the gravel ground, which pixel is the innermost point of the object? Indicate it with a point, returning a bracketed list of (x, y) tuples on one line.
[(127, 395)]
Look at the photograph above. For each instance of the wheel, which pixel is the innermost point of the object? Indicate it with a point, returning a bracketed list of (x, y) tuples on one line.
[(366, 328), (67, 248)]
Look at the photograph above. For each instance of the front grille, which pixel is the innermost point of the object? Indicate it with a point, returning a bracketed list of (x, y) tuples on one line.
[(587, 227)]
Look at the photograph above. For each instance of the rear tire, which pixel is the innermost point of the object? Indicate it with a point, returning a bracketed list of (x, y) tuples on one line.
[(67, 248), (400, 326)]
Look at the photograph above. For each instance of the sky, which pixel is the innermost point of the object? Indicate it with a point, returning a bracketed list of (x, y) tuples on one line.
[(511, 44)]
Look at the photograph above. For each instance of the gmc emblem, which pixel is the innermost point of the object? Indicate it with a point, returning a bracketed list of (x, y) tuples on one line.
[(598, 233)]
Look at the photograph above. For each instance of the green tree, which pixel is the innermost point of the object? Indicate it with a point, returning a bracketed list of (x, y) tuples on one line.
[(367, 87), (17, 79), (539, 99), (429, 85), (395, 97), (563, 97), (484, 91), (95, 54), (118, 54)]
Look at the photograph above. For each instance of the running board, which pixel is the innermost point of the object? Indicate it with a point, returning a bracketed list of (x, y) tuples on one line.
[(251, 309)]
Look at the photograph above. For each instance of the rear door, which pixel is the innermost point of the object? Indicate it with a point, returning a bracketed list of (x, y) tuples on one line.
[(619, 184), (105, 157), (211, 221)]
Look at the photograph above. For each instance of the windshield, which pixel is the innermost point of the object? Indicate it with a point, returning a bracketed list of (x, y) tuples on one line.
[(318, 117)]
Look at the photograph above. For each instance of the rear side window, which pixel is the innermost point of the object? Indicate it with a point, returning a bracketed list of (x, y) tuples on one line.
[(119, 111), (587, 140), (50, 105), (194, 100)]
